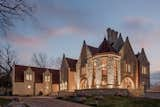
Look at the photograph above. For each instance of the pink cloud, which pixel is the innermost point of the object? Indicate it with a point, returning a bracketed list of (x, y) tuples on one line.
[(27, 41), (137, 23), (41, 39), (66, 30)]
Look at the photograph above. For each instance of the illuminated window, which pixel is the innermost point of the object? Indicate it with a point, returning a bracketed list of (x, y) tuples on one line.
[(29, 76), (144, 70), (128, 67), (95, 64), (47, 78)]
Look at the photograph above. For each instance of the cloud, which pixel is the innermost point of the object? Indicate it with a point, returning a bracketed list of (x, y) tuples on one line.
[(39, 39), (25, 40), (145, 30), (60, 13), (137, 23), (66, 30)]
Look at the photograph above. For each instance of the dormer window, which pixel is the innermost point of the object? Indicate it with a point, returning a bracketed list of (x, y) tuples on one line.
[(29, 76), (47, 78)]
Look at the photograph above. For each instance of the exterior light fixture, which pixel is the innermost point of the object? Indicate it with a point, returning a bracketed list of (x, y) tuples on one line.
[(29, 86), (97, 86)]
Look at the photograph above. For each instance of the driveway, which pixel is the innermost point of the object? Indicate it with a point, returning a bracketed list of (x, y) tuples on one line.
[(49, 102)]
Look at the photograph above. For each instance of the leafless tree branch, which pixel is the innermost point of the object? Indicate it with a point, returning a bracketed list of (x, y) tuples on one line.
[(11, 10)]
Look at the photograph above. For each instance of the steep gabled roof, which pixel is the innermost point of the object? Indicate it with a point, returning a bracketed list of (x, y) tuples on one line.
[(127, 43), (118, 43), (105, 46), (142, 56), (71, 63), (92, 49)]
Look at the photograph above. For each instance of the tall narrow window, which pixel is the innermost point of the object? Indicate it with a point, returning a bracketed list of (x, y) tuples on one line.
[(29, 76), (144, 70), (129, 68), (47, 78), (126, 67)]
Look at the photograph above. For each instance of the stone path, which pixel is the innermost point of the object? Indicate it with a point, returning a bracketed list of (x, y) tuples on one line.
[(49, 102)]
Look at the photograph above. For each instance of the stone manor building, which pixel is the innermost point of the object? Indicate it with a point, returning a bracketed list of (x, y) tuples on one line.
[(113, 64)]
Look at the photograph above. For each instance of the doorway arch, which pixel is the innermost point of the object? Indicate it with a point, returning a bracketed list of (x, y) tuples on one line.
[(83, 83), (127, 83)]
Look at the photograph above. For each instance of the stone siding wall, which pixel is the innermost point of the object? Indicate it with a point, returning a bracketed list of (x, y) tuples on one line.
[(71, 81), (55, 88), (19, 88), (154, 95), (113, 91)]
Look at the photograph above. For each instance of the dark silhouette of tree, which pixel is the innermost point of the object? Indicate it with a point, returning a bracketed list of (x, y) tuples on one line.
[(56, 63), (11, 10), (40, 59), (7, 59)]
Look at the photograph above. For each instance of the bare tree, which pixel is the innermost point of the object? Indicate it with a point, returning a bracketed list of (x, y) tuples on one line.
[(40, 59), (56, 63), (7, 59), (11, 10)]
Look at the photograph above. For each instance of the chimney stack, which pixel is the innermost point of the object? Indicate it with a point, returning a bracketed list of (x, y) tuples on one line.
[(112, 35)]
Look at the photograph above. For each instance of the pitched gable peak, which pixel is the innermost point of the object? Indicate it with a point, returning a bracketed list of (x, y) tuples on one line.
[(104, 39), (143, 52), (127, 39), (84, 42), (120, 37), (63, 55)]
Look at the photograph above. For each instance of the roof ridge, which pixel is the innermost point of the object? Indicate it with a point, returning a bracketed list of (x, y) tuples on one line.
[(92, 46), (27, 66), (71, 58)]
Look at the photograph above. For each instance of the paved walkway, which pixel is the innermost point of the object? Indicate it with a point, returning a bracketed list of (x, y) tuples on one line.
[(49, 102)]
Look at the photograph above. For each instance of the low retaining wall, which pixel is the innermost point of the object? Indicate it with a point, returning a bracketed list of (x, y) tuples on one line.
[(66, 93), (113, 91), (152, 94)]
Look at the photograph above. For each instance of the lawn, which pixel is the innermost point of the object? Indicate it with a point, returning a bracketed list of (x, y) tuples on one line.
[(115, 101), (4, 101)]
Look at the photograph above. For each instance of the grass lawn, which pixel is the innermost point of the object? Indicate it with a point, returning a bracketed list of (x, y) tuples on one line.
[(118, 101), (4, 101)]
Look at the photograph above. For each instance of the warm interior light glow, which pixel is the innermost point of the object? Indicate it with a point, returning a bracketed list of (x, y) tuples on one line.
[(47, 87), (97, 86), (29, 86)]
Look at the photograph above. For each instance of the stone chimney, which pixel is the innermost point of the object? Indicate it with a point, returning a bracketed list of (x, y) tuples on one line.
[(112, 35)]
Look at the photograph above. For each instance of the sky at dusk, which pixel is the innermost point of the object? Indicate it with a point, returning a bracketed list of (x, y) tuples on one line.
[(60, 26)]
